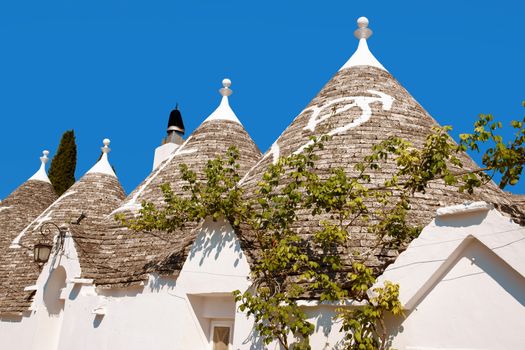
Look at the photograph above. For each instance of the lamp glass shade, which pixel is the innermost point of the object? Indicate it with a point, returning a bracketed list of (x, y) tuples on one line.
[(42, 252)]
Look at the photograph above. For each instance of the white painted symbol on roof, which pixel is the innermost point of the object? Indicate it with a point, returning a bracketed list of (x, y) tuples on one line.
[(328, 110), (324, 112)]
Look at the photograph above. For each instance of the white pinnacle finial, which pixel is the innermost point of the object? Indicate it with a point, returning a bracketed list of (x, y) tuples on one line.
[(362, 56), (224, 111), (103, 166), (106, 148), (362, 22), (225, 91), (41, 174), (44, 159), (363, 32)]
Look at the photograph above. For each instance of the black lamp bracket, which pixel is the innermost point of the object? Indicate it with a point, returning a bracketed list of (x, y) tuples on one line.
[(49, 230)]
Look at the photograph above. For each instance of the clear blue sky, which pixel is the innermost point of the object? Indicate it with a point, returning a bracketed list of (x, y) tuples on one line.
[(116, 68)]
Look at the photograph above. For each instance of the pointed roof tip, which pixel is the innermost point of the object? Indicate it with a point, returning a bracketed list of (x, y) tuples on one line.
[(41, 174), (103, 166), (362, 56), (224, 111)]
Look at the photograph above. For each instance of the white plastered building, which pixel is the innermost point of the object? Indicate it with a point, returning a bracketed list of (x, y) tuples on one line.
[(106, 287)]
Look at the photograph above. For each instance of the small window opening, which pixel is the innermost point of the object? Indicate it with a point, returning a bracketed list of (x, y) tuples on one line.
[(221, 335)]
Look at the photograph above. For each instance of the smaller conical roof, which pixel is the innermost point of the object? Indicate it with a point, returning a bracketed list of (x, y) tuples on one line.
[(94, 196), (130, 256), (24, 204)]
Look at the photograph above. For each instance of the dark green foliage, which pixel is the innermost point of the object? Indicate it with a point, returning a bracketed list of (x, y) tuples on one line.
[(62, 169)]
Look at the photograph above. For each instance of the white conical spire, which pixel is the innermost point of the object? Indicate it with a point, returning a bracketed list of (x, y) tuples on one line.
[(362, 56), (41, 174), (103, 166), (224, 111)]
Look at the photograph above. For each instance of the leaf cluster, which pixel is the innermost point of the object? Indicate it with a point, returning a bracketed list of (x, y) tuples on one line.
[(504, 158)]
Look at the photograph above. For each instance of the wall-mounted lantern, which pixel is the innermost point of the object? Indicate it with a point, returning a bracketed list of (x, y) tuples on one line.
[(41, 253), (42, 250)]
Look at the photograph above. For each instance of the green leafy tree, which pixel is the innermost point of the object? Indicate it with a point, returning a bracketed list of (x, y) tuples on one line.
[(289, 265), (62, 169)]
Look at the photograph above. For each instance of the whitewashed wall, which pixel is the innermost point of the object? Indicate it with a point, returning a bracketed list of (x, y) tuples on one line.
[(40, 327), (17, 332), (463, 283), (164, 313), (456, 281)]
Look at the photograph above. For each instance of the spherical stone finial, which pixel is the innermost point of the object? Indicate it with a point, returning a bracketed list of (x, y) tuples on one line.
[(225, 91), (106, 148), (362, 32), (362, 22), (44, 158)]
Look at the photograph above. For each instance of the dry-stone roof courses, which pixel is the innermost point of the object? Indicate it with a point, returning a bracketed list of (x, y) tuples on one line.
[(95, 194), (130, 256), (19, 209), (370, 106)]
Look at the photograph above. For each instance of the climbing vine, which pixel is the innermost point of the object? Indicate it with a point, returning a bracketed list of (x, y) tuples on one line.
[(291, 264)]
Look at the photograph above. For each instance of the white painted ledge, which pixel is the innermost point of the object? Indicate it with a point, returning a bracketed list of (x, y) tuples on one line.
[(467, 207), (100, 311), (78, 280)]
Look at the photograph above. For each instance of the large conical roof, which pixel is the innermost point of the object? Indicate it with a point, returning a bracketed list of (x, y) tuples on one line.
[(95, 195), (360, 106), (130, 255)]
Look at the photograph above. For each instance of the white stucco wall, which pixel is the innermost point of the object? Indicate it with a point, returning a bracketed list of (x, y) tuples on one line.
[(461, 281), (164, 313), (17, 332), (162, 153), (40, 327), (463, 284)]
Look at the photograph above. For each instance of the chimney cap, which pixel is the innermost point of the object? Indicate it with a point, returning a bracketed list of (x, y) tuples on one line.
[(175, 122)]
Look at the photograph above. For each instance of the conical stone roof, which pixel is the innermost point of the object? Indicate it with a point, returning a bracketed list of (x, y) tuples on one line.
[(24, 204), (360, 106), (95, 195), (17, 211), (129, 256)]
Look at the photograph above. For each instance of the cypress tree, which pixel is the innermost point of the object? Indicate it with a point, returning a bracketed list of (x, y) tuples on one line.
[(62, 169)]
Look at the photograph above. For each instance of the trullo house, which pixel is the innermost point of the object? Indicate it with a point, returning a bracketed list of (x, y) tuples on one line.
[(462, 281)]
